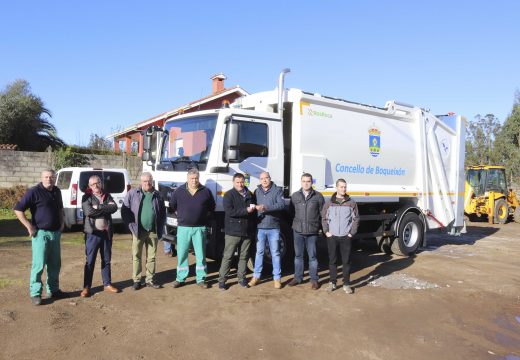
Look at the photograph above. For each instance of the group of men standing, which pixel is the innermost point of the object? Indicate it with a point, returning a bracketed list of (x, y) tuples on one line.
[(249, 216), (339, 219)]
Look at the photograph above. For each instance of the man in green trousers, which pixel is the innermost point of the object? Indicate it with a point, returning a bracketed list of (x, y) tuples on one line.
[(46, 206), (194, 204)]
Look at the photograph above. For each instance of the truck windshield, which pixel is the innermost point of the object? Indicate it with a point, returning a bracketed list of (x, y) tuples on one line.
[(188, 143)]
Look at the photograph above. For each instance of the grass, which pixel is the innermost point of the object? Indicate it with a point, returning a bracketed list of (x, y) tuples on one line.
[(9, 282), (13, 233), (7, 214)]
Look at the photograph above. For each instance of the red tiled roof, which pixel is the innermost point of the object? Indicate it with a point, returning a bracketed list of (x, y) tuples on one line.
[(8, 146), (188, 105)]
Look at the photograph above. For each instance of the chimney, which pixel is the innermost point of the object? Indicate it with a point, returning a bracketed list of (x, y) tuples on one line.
[(218, 82)]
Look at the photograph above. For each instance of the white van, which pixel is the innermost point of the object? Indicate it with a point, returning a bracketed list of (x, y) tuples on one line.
[(73, 182)]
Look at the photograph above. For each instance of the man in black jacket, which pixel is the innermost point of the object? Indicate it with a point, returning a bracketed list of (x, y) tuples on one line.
[(239, 205), (306, 205), (98, 207)]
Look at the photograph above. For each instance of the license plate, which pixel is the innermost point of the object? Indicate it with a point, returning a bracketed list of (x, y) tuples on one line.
[(171, 221)]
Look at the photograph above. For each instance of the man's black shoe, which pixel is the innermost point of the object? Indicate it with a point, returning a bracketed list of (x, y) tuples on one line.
[(137, 285), (58, 294), (36, 300), (153, 285), (293, 282)]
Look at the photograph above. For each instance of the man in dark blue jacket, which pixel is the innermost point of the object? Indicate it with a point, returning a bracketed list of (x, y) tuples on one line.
[(45, 227), (239, 207), (194, 204), (270, 203)]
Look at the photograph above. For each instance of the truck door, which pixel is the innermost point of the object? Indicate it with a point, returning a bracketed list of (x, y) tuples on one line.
[(259, 148)]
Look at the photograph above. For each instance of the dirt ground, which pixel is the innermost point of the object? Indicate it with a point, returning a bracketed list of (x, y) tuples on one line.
[(459, 298)]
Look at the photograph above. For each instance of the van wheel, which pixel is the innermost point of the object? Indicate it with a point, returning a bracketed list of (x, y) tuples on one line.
[(501, 212), (411, 235)]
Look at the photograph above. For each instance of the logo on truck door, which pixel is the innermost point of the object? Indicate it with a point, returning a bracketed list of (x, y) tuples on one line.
[(374, 141)]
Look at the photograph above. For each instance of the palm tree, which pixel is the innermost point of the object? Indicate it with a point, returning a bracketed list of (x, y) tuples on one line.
[(24, 119)]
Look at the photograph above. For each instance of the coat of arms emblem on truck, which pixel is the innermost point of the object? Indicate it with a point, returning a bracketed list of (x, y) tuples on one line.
[(374, 141)]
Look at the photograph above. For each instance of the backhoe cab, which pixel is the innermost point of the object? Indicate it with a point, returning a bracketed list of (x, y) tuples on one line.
[(487, 194)]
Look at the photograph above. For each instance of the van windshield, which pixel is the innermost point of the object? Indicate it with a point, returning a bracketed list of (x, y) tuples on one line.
[(188, 143)]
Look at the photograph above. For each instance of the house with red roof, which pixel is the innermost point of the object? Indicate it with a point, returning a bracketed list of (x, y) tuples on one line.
[(130, 139)]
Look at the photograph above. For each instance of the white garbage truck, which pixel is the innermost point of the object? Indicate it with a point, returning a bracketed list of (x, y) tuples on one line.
[(403, 165)]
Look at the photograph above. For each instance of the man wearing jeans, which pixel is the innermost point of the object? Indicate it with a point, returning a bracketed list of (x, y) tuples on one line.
[(194, 204), (306, 205), (45, 227), (144, 213), (270, 203), (340, 223)]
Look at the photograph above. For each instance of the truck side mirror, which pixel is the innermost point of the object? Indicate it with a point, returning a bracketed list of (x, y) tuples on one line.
[(150, 143), (232, 142), (232, 155), (232, 135)]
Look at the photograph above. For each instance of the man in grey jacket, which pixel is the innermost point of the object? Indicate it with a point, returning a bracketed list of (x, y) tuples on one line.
[(340, 222), (144, 213), (306, 206), (270, 203)]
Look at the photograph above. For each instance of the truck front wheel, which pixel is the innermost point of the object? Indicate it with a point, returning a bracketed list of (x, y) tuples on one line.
[(411, 235), (501, 211)]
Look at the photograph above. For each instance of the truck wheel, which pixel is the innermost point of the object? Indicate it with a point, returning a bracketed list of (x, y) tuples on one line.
[(501, 212), (411, 235)]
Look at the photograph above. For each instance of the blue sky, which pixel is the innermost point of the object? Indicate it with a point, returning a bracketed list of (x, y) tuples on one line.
[(104, 65)]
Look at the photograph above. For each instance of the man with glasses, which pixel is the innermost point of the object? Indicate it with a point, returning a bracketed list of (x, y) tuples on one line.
[(98, 206), (144, 213), (46, 206)]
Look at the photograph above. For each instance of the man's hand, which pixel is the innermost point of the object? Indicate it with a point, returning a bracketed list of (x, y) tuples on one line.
[(260, 208), (31, 230), (328, 234), (250, 209)]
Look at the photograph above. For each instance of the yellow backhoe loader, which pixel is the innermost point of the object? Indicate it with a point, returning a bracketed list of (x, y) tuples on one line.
[(487, 194)]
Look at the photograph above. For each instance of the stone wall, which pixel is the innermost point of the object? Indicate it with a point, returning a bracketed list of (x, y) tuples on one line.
[(25, 167)]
